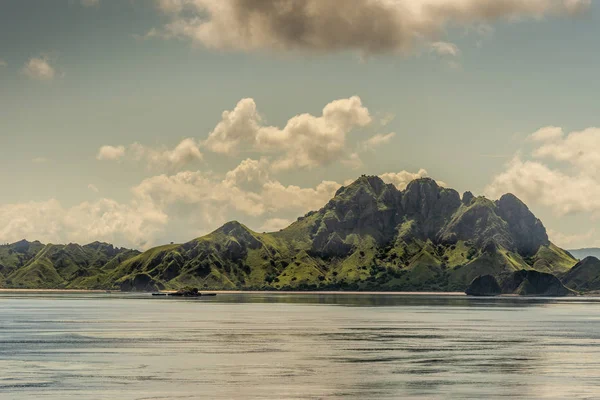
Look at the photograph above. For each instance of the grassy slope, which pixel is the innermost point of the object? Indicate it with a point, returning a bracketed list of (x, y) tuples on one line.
[(367, 253)]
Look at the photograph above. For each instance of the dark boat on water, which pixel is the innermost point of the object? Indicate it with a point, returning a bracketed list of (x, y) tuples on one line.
[(186, 292)]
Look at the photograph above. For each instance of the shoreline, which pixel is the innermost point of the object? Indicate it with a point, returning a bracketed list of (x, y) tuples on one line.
[(5, 290)]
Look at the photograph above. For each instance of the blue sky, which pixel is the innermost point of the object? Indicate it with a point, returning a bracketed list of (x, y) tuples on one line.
[(452, 89)]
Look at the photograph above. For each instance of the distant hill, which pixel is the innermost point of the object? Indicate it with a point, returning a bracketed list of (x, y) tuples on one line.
[(580, 254), (35, 265), (584, 276), (370, 236)]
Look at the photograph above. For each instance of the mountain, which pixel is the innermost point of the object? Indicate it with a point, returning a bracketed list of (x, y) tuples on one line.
[(584, 276), (369, 236), (522, 283), (35, 265), (580, 254)]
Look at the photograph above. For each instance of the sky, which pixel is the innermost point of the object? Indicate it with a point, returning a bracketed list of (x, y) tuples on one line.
[(144, 122)]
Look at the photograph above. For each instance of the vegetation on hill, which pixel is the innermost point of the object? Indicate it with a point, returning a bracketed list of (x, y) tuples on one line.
[(370, 236)]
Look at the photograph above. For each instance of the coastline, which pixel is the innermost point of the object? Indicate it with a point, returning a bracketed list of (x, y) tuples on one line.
[(5, 290)]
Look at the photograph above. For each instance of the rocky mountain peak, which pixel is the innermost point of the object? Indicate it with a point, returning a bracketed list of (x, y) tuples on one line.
[(528, 231), (430, 204), (372, 185), (467, 198)]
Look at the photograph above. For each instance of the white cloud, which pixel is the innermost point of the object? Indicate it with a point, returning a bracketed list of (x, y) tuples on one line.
[(187, 151), (3, 63), (105, 220), (111, 153), (184, 153), (353, 161), (548, 133), (39, 68), (278, 197), (180, 206), (249, 174), (537, 183), (369, 26), (238, 126), (445, 49), (90, 3), (306, 141), (569, 183), (579, 149), (377, 140), (403, 178)]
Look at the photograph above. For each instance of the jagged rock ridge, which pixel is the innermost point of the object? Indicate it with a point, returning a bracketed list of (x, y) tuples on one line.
[(370, 236)]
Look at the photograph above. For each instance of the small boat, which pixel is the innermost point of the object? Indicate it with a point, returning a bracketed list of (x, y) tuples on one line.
[(186, 292)]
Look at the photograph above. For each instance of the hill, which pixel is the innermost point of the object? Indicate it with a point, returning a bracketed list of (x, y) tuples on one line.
[(33, 265), (584, 276), (369, 236)]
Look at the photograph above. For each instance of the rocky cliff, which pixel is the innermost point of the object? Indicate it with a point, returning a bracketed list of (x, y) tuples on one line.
[(370, 236)]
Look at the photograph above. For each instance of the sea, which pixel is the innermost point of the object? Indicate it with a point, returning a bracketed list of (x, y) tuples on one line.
[(56, 345)]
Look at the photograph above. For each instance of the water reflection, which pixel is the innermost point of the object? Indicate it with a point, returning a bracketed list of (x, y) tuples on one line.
[(297, 346)]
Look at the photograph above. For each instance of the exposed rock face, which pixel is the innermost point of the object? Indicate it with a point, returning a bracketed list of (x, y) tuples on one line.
[(528, 231), (467, 198), (429, 204), (370, 236), (584, 276), (485, 285), (523, 283), (534, 283), (479, 223), (368, 204)]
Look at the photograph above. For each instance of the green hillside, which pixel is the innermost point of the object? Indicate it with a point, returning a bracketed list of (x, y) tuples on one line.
[(370, 236)]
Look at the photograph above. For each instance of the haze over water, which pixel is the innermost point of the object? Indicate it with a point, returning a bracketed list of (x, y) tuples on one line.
[(282, 346)]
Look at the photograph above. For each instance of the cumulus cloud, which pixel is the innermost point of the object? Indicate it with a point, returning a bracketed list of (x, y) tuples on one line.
[(377, 140), (39, 68), (106, 220), (537, 183), (178, 206), (249, 174), (580, 149), (403, 178), (185, 152), (111, 153), (445, 49), (369, 26), (547, 133), (569, 183), (275, 224), (306, 141)]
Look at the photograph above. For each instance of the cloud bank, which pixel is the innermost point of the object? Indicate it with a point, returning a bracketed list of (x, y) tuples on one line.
[(323, 26), (187, 204), (306, 141), (560, 172)]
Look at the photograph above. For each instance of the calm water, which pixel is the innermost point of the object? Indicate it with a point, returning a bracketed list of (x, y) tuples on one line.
[(112, 346)]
